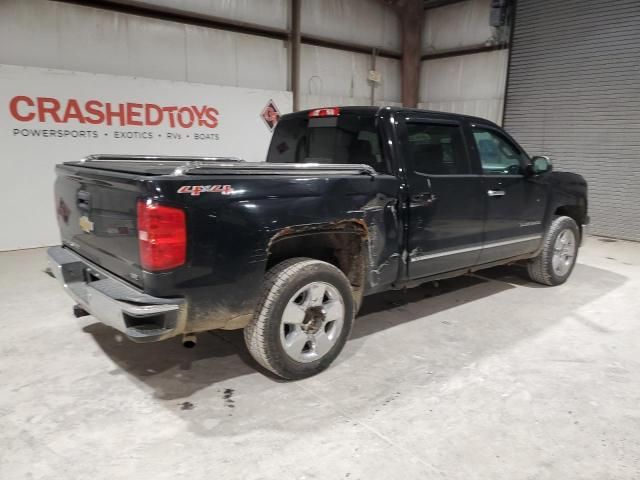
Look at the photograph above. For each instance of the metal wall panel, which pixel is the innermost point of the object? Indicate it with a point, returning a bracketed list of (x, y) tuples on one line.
[(574, 93), (318, 101), (469, 84), (458, 25), (364, 22), (69, 37), (270, 13), (334, 77)]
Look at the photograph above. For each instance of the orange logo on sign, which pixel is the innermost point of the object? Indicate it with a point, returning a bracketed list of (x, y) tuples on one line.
[(270, 114)]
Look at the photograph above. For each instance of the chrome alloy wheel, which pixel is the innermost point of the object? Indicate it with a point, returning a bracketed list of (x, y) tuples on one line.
[(564, 252), (312, 322)]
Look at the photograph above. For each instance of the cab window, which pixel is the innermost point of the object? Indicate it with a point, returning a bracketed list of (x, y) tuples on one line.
[(437, 149), (497, 155), (347, 138)]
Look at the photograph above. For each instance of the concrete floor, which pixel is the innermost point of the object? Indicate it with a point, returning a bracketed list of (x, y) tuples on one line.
[(483, 377)]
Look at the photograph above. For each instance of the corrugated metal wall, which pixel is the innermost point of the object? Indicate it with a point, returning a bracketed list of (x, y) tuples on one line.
[(574, 93)]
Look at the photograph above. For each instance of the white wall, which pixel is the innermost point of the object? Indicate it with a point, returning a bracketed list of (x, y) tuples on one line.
[(470, 84), (333, 77), (365, 22), (270, 13), (69, 37), (57, 35), (457, 25)]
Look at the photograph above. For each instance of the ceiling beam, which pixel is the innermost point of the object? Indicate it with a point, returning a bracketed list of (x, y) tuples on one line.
[(456, 52), (429, 4)]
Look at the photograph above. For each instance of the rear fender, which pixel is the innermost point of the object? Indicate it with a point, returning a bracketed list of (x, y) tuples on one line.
[(342, 243)]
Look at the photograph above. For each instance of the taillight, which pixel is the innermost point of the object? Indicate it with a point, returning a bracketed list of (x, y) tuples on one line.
[(162, 236), (325, 112)]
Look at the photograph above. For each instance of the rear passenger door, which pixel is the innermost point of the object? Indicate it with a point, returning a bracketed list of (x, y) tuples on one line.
[(446, 197)]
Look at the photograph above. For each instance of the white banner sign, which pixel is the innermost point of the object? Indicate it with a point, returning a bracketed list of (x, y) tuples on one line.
[(52, 116)]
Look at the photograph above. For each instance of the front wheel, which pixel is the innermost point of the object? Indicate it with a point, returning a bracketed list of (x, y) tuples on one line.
[(303, 318), (558, 256)]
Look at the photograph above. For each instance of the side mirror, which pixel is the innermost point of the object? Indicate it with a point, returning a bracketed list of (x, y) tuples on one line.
[(540, 164)]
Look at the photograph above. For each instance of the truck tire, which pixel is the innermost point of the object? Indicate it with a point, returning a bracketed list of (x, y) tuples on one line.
[(556, 260), (303, 318)]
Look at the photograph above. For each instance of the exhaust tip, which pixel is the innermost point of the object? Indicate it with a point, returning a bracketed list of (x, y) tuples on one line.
[(189, 340)]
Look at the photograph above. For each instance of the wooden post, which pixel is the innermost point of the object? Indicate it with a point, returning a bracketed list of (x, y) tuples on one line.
[(412, 22), (411, 14), (294, 44)]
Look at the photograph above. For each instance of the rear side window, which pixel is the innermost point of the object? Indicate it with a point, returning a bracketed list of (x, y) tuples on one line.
[(343, 139), (437, 149)]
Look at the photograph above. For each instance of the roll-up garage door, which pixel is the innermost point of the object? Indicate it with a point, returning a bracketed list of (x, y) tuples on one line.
[(573, 93)]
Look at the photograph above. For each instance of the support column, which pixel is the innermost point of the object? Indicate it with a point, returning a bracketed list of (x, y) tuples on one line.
[(411, 15), (294, 45), (412, 23)]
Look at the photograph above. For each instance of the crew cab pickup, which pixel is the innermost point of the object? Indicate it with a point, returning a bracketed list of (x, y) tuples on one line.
[(350, 201)]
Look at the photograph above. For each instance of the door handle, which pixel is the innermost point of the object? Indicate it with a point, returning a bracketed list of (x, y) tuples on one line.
[(423, 198), (496, 193)]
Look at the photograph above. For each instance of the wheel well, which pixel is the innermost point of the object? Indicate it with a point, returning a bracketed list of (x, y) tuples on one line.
[(575, 212), (341, 245)]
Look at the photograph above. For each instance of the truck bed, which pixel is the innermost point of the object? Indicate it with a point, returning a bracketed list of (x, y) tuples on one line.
[(97, 197)]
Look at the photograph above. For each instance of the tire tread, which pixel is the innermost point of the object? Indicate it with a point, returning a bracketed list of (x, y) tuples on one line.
[(539, 268), (276, 279)]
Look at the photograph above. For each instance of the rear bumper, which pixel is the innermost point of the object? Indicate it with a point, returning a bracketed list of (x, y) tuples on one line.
[(139, 316)]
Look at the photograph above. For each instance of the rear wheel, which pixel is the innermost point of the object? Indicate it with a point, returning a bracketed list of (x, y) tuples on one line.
[(303, 318), (558, 256)]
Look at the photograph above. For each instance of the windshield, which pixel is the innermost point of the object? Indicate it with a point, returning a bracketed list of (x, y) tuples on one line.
[(347, 138)]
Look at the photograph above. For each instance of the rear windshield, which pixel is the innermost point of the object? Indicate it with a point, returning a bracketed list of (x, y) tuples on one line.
[(347, 138)]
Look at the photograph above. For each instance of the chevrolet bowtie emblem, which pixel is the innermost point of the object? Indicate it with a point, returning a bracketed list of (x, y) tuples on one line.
[(85, 224)]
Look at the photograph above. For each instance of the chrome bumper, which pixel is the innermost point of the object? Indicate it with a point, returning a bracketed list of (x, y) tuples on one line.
[(139, 316)]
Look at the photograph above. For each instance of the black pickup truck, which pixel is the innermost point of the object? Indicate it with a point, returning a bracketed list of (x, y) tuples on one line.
[(351, 201)]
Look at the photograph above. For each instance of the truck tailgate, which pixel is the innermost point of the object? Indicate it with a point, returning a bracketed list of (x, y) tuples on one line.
[(96, 212)]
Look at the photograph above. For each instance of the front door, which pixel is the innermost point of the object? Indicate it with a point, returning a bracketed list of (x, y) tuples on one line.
[(515, 201), (447, 198)]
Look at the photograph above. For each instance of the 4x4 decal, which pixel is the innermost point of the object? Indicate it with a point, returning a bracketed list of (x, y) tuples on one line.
[(196, 190)]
